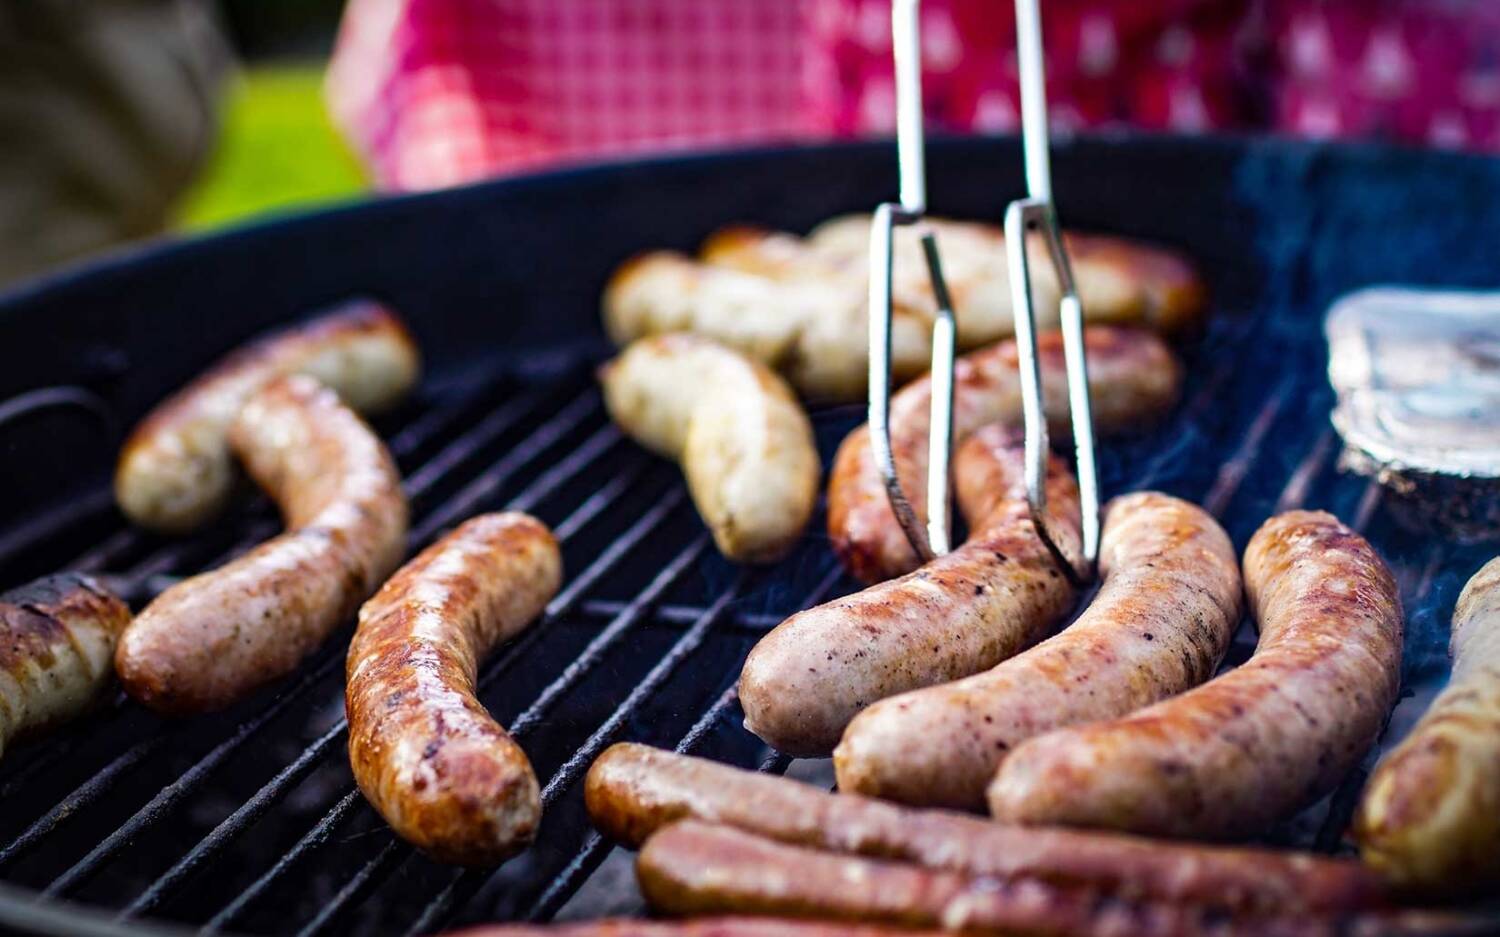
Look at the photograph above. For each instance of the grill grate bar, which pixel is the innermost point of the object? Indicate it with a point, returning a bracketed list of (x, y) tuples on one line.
[(85, 794), (235, 823), (1233, 472), (475, 492), (1294, 495), (314, 838), (157, 807), (524, 723), (499, 422)]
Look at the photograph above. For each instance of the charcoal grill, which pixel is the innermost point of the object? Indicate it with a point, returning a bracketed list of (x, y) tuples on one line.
[(248, 821)]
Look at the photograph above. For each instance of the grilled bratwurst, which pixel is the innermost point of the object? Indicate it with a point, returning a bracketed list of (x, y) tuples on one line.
[(634, 790), (691, 868), (1251, 746), (210, 639), (1170, 600), (960, 614), (743, 440), (175, 470), (57, 638), (1134, 380), (1430, 816), (427, 754), (1118, 280), (698, 927)]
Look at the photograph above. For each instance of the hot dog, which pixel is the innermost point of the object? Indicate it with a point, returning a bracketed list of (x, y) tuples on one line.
[(426, 753), (634, 790), (744, 442), (210, 639), (691, 868), (1134, 380), (1248, 747), (1162, 620), (962, 613), (175, 470), (1430, 815), (57, 638)]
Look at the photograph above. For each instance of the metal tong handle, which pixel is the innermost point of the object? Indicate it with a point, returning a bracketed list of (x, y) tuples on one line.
[(1022, 217), (935, 540)]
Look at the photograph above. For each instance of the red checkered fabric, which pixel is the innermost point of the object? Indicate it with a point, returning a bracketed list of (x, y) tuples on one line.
[(438, 92)]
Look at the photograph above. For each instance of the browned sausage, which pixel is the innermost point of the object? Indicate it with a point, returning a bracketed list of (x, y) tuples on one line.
[(212, 638), (1251, 746), (175, 470), (1134, 379), (634, 790), (57, 639), (691, 868), (427, 754), (998, 593), (698, 927), (1162, 620), (1430, 816)]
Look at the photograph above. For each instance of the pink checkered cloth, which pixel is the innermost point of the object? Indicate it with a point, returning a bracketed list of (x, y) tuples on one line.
[(440, 92)]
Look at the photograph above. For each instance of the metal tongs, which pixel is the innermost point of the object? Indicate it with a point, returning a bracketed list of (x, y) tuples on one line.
[(1035, 213)]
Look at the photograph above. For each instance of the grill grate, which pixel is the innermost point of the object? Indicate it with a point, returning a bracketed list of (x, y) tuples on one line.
[(248, 821)]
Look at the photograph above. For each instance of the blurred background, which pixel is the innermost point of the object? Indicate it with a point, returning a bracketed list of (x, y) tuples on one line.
[(128, 119)]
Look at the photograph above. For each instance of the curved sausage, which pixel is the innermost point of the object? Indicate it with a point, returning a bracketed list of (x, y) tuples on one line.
[(698, 927), (998, 593), (1119, 280), (444, 774), (1251, 746), (743, 440), (212, 638), (1134, 380), (1430, 815), (691, 868), (1163, 618), (175, 470), (812, 329), (634, 790), (57, 638)]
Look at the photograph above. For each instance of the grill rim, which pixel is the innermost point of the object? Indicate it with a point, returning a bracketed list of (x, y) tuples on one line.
[(21, 906)]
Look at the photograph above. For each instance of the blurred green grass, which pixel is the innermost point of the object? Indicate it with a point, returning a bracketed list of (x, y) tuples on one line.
[(277, 150)]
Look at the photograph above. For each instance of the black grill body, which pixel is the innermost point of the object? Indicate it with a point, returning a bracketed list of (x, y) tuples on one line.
[(247, 821)]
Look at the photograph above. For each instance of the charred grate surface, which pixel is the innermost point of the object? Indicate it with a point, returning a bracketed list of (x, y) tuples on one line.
[(248, 821)]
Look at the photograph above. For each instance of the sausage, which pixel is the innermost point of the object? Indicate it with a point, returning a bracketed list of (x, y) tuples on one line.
[(428, 756), (1162, 620), (698, 927), (634, 790), (1252, 745), (1133, 377), (57, 637), (212, 638), (1429, 818), (1118, 280), (744, 442), (800, 305), (813, 329), (691, 868), (175, 470), (961, 613)]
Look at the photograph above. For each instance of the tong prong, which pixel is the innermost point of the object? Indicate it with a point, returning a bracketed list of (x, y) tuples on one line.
[(1022, 218), (935, 539)]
